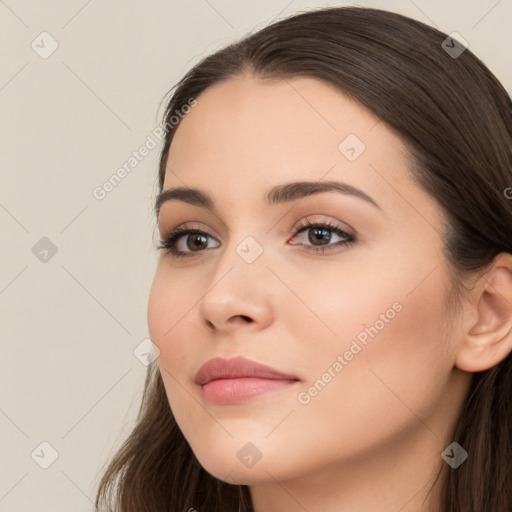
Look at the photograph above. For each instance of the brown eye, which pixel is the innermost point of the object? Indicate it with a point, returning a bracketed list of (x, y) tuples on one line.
[(195, 241), (185, 241), (319, 236)]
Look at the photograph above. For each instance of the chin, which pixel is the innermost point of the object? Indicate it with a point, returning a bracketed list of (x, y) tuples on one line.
[(236, 474), (239, 463)]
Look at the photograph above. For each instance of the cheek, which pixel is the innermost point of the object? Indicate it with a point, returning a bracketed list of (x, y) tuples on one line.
[(159, 308), (395, 359), (389, 331), (395, 309), (169, 314)]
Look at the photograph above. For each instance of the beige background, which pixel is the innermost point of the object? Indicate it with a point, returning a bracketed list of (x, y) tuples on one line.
[(70, 323)]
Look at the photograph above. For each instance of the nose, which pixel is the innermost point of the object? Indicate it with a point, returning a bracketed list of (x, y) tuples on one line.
[(237, 295)]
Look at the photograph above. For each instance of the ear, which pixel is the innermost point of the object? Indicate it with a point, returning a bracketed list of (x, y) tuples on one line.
[(487, 334)]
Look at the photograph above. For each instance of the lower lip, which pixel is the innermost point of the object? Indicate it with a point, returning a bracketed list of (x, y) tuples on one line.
[(234, 391)]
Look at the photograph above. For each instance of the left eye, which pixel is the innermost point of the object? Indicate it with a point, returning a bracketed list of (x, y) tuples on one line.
[(319, 236)]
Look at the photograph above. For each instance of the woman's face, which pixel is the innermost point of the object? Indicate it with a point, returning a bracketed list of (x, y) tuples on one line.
[(360, 327)]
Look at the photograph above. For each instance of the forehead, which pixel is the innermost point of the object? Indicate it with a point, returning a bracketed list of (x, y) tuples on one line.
[(252, 134), (246, 122)]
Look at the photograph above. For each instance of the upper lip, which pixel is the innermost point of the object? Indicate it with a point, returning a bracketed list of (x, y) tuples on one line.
[(237, 367)]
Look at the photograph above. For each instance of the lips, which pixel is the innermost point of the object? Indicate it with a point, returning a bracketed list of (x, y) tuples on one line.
[(236, 380), (237, 368)]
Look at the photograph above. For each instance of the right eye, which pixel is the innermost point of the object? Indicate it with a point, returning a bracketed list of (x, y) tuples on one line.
[(185, 241)]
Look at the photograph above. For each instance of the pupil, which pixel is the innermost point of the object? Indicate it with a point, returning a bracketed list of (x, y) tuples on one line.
[(320, 234), (198, 239)]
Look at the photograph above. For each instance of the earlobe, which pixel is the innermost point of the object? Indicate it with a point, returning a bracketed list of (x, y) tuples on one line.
[(487, 334)]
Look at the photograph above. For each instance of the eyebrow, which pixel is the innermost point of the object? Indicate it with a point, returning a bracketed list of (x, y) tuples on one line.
[(277, 195)]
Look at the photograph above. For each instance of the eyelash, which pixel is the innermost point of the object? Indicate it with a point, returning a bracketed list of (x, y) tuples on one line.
[(170, 240)]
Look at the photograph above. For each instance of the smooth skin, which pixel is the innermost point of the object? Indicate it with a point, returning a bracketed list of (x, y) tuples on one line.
[(372, 438)]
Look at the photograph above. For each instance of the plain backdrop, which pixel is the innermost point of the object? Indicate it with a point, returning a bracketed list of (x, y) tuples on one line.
[(81, 85)]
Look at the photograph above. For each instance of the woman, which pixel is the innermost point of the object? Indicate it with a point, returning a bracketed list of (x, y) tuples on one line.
[(333, 298)]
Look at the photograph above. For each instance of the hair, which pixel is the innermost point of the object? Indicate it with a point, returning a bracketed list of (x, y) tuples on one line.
[(456, 121)]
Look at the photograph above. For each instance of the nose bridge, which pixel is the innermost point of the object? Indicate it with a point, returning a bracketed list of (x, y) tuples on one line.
[(237, 287), (244, 247), (241, 266)]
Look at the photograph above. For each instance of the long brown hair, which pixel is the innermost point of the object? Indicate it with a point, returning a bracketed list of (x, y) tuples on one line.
[(456, 120)]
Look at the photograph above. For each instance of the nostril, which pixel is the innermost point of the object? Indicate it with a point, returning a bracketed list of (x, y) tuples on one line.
[(246, 318)]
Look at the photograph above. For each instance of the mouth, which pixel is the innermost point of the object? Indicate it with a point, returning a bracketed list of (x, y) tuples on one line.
[(237, 380), (234, 391)]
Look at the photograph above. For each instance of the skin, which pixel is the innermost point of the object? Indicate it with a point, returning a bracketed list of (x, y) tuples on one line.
[(375, 432)]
